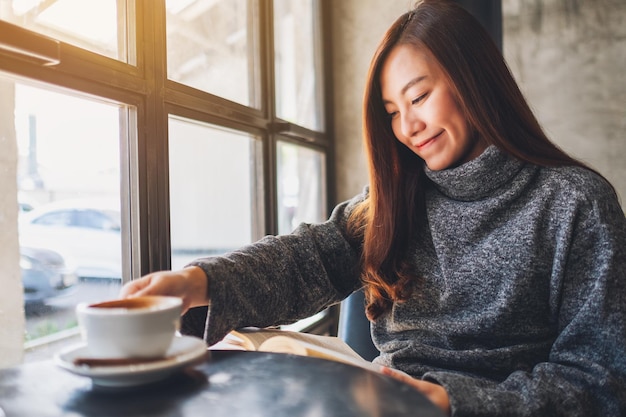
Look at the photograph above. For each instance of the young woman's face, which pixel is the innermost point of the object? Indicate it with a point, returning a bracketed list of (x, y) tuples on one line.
[(424, 114)]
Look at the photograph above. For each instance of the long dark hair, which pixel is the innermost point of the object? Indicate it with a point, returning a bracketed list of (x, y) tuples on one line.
[(495, 109)]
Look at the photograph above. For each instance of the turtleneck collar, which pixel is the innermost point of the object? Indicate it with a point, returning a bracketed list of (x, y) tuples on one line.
[(477, 178)]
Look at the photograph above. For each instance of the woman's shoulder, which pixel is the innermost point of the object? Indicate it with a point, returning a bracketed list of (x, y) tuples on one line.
[(574, 183), (575, 179)]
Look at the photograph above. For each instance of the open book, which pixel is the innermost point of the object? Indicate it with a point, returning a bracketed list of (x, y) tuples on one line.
[(305, 344)]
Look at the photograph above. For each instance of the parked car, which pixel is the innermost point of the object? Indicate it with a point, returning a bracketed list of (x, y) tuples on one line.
[(45, 275), (86, 231)]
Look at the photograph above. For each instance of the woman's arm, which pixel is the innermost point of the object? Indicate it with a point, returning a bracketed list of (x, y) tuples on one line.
[(277, 280), (281, 279)]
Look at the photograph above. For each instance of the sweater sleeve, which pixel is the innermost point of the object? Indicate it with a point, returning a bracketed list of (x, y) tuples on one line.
[(279, 279), (585, 372)]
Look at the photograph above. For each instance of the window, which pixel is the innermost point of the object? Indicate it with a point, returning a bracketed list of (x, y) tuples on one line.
[(212, 46), (101, 27), (301, 191), (218, 210), (297, 63), (150, 133)]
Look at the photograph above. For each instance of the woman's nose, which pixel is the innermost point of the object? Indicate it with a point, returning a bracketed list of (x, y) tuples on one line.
[(411, 124)]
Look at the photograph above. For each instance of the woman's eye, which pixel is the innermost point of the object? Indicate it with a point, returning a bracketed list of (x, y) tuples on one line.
[(392, 114), (418, 99)]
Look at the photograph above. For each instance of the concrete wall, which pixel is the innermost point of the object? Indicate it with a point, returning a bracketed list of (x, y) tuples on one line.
[(569, 57), (357, 28)]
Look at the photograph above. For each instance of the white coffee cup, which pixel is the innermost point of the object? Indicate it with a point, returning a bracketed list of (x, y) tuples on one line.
[(139, 327)]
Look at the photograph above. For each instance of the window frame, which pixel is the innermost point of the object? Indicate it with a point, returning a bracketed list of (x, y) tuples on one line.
[(142, 85)]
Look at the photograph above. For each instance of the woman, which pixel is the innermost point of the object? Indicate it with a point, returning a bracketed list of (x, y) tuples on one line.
[(493, 263)]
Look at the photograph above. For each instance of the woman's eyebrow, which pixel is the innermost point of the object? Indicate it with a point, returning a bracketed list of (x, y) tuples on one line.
[(412, 83), (408, 85)]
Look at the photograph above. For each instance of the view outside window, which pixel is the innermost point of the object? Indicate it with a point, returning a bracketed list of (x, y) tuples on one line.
[(301, 187), (95, 25), (213, 190), (69, 198), (94, 129), (297, 63), (210, 46)]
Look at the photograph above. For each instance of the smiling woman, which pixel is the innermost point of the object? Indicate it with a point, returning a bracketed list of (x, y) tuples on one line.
[(424, 112)]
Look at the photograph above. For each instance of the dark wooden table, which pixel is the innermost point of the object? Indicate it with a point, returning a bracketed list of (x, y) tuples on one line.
[(225, 383)]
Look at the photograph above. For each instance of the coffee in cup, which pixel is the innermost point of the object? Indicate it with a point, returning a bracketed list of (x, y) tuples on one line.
[(139, 327)]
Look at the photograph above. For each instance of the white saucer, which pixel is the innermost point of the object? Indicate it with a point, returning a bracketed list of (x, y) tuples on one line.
[(184, 350)]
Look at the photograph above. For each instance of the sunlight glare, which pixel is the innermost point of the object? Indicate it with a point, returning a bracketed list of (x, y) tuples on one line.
[(86, 19)]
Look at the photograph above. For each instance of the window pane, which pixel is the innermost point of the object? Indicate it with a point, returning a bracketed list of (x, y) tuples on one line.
[(210, 46), (213, 190), (96, 25), (298, 63), (301, 186), (69, 195)]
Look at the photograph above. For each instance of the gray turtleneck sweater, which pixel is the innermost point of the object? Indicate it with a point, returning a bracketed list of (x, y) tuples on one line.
[(521, 310)]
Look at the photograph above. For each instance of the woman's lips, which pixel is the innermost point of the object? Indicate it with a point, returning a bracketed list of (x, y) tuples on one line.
[(428, 141)]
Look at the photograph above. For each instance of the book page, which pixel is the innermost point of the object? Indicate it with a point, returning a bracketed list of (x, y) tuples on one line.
[(250, 338), (305, 344), (332, 343), (330, 348)]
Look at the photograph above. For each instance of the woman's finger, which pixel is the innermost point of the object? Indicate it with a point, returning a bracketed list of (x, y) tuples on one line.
[(434, 392)]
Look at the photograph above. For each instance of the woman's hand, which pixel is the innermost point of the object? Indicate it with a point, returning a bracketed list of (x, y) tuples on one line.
[(190, 284), (435, 393)]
